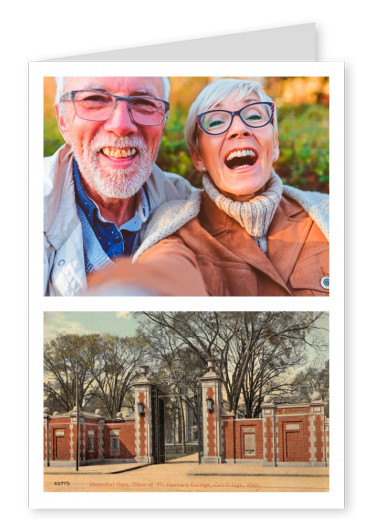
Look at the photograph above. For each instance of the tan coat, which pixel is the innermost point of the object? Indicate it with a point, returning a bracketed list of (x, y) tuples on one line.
[(229, 262)]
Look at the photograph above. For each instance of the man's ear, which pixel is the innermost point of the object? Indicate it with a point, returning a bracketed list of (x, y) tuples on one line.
[(197, 160), (62, 125)]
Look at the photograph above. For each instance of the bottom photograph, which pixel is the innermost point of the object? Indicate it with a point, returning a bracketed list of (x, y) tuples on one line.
[(186, 401)]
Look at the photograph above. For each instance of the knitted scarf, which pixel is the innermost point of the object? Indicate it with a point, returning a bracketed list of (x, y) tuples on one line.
[(255, 215)]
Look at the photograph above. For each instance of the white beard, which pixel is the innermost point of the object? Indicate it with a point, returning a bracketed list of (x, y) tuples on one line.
[(115, 183)]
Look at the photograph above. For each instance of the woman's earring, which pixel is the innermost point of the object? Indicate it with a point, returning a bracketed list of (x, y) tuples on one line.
[(203, 168), (273, 158)]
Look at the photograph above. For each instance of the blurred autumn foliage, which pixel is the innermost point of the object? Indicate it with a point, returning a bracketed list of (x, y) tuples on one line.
[(303, 127)]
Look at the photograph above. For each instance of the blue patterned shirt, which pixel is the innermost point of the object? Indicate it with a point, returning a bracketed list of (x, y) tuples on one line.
[(115, 241)]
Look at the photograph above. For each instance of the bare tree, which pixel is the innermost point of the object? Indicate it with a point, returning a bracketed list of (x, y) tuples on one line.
[(105, 366), (255, 352), (115, 371), (66, 358)]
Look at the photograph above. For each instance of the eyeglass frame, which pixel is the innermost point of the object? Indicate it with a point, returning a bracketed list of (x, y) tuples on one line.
[(71, 95), (236, 113)]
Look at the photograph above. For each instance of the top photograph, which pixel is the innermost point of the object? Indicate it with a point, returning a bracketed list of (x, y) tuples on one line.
[(186, 186)]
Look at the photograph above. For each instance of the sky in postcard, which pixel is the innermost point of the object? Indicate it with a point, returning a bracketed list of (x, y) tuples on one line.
[(116, 323)]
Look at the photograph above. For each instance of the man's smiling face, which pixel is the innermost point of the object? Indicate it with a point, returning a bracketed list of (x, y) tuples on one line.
[(115, 156)]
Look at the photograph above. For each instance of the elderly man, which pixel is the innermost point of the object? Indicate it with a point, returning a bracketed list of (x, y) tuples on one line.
[(102, 186)]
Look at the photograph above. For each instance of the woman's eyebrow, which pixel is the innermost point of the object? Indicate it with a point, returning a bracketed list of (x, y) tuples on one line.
[(248, 100)]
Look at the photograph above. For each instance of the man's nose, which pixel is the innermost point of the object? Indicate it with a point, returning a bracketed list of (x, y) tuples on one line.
[(120, 121), (238, 128)]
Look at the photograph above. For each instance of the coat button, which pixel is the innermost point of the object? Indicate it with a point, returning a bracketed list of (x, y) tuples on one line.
[(325, 282), (117, 239), (61, 262)]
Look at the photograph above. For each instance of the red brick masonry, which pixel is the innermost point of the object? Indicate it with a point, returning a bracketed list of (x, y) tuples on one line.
[(298, 432), (95, 438)]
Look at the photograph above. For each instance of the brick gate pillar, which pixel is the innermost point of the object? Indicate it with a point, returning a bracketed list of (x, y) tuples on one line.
[(269, 431), (211, 416), (318, 450), (143, 418), (47, 436), (99, 413)]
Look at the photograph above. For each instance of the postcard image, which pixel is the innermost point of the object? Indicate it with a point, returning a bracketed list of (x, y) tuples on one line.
[(186, 401)]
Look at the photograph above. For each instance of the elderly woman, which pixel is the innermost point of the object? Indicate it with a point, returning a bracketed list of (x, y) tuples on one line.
[(248, 234)]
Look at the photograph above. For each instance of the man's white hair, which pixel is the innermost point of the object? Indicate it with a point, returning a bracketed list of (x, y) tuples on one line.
[(213, 94), (60, 85)]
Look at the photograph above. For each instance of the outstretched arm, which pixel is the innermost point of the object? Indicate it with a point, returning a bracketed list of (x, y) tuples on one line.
[(168, 268)]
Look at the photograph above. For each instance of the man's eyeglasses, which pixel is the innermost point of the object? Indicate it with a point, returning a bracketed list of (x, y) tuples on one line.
[(253, 115), (98, 106)]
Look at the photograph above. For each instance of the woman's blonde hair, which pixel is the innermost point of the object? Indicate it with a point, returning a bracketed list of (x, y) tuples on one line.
[(216, 92)]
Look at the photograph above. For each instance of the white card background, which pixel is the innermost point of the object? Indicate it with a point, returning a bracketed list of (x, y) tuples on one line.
[(33, 32)]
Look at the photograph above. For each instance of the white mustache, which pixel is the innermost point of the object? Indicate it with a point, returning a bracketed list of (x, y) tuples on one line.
[(102, 141)]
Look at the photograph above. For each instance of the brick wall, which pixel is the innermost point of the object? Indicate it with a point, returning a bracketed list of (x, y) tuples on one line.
[(242, 438), (293, 439), (95, 442), (228, 437), (125, 432), (59, 439), (269, 442), (290, 410), (286, 434)]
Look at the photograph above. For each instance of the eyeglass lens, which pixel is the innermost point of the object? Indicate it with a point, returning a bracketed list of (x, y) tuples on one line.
[(98, 107), (254, 115)]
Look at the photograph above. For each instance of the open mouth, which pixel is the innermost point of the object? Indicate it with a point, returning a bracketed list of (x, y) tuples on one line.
[(241, 158), (116, 153)]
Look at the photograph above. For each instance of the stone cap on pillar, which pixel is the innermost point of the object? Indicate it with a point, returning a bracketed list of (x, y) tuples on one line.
[(268, 405), (316, 398), (268, 399), (142, 377), (317, 404), (211, 374)]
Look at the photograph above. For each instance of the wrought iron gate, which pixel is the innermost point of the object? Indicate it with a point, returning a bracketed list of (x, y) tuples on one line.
[(176, 429), (199, 426), (158, 435)]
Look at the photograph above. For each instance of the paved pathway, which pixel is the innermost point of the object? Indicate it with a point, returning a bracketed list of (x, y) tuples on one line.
[(186, 474)]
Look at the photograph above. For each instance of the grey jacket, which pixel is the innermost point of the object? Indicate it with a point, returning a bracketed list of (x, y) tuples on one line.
[(64, 266)]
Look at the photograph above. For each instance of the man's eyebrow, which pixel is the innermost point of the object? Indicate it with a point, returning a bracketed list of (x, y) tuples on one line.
[(93, 86), (136, 92), (144, 92)]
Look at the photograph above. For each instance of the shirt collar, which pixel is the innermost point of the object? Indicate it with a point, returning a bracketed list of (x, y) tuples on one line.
[(87, 205)]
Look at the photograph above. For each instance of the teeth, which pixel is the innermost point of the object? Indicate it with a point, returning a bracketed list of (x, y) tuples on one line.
[(119, 153), (241, 153)]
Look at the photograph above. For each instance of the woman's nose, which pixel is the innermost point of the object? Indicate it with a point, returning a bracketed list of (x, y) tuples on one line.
[(238, 128), (120, 121)]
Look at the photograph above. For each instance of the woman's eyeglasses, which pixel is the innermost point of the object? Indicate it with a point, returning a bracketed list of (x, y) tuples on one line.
[(254, 115)]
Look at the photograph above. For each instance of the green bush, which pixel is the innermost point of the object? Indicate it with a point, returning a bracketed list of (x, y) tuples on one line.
[(174, 155), (52, 137), (304, 146)]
